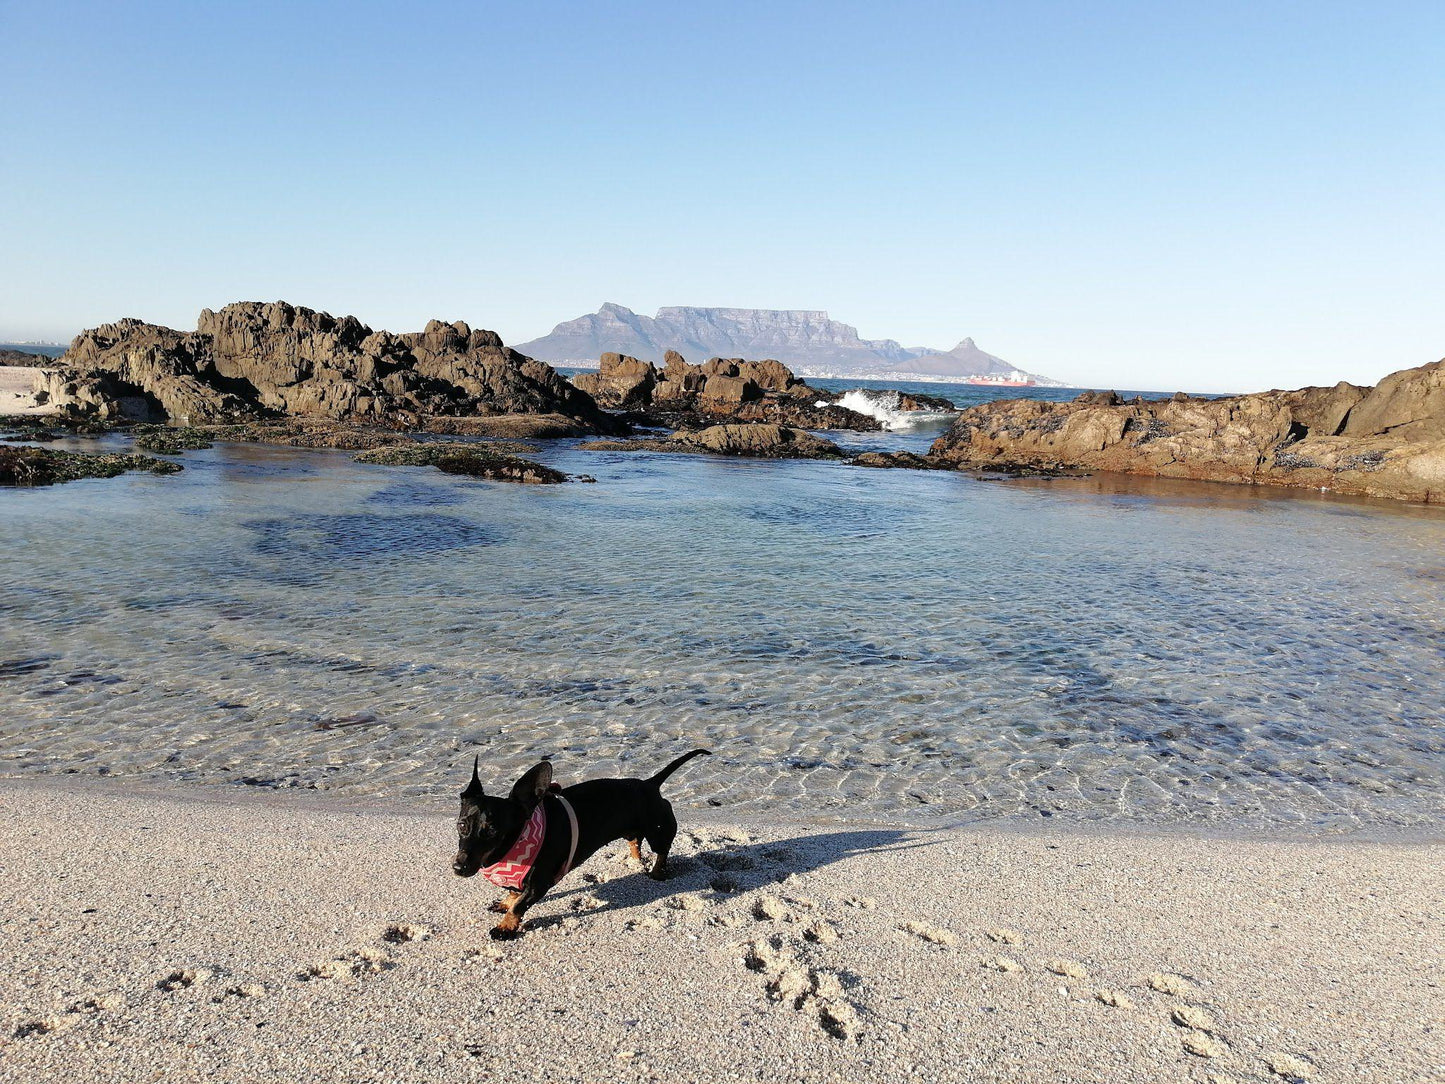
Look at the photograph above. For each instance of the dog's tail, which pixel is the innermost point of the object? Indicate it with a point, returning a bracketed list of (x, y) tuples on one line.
[(658, 779)]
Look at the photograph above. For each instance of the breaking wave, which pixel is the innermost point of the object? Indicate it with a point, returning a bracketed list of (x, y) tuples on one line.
[(885, 406)]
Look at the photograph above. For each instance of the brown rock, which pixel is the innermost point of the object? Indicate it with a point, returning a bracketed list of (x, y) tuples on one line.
[(723, 392), (769, 375), (624, 381), (1384, 442), (760, 440), (1408, 405), (255, 359)]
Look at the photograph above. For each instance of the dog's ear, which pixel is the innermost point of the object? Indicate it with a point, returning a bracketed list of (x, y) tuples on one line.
[(474, 788), (529, 789)]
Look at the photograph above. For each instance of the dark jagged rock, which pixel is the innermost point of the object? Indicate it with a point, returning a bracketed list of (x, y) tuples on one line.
[(799, 414), (511, 426), (254, 360), (475, 460), (303, 433), (900, 460), (639, 444), (756, 440), (683, 396), (761, 440), (1386, 441), (26, 359), (933, 403), (20, 466)]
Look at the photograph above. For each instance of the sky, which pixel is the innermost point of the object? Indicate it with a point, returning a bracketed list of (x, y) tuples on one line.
[(1221, 196)]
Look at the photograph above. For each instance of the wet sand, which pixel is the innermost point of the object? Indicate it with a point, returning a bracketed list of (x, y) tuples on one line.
[(193, 933)]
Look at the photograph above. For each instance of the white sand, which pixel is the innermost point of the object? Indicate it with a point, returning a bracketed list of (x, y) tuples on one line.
[(18, 385), (196, 934)]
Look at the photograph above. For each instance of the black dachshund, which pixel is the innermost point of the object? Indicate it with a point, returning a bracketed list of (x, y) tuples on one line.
[(528, 840)]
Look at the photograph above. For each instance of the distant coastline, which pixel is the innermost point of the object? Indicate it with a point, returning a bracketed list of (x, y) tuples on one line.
[(44, 349)]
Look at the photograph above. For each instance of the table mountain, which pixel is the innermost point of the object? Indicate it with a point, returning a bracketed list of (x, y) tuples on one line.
[(806, 340)]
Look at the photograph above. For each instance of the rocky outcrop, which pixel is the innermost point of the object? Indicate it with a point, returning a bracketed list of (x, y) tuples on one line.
[(25, 359), (1386, 441), (756, 440), (680, 395), (256, 359)]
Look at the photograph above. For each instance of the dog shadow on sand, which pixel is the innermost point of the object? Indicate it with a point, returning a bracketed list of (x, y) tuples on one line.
[(718, 865)]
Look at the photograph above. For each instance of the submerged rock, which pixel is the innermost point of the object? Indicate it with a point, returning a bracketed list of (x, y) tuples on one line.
[(756, 440), (476, 460), (900, 460), (20, 466), (512, 426), (171, 440), (1386, 441)]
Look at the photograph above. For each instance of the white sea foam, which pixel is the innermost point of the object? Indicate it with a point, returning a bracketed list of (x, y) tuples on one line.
[(884, 405)]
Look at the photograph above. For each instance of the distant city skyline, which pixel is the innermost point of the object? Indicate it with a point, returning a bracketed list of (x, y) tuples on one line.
[(1208, 197)]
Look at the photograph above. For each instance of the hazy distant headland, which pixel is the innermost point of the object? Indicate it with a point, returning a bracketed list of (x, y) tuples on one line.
[(805, 340)]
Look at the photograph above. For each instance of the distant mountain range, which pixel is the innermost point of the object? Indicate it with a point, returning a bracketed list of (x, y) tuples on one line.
[(805, 340)]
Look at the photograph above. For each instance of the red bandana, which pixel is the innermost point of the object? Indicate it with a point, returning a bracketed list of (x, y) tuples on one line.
[(514, 866)]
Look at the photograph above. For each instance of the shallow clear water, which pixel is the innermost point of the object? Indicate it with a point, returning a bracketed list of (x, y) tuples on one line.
[(879, 643)]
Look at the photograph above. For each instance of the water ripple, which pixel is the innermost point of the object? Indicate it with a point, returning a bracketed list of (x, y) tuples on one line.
[(886, 643)]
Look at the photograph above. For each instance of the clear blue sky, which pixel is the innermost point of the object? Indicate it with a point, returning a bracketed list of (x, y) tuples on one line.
[(1210, 196)]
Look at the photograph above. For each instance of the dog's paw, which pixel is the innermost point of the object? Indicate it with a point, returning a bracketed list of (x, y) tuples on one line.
[(506, 933), (497, 907)]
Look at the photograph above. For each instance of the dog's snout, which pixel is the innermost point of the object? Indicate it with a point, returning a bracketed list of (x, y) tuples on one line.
[(462, 867)]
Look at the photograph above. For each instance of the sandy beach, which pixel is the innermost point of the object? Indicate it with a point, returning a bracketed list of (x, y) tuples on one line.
[(17, 390), (195, 933)]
